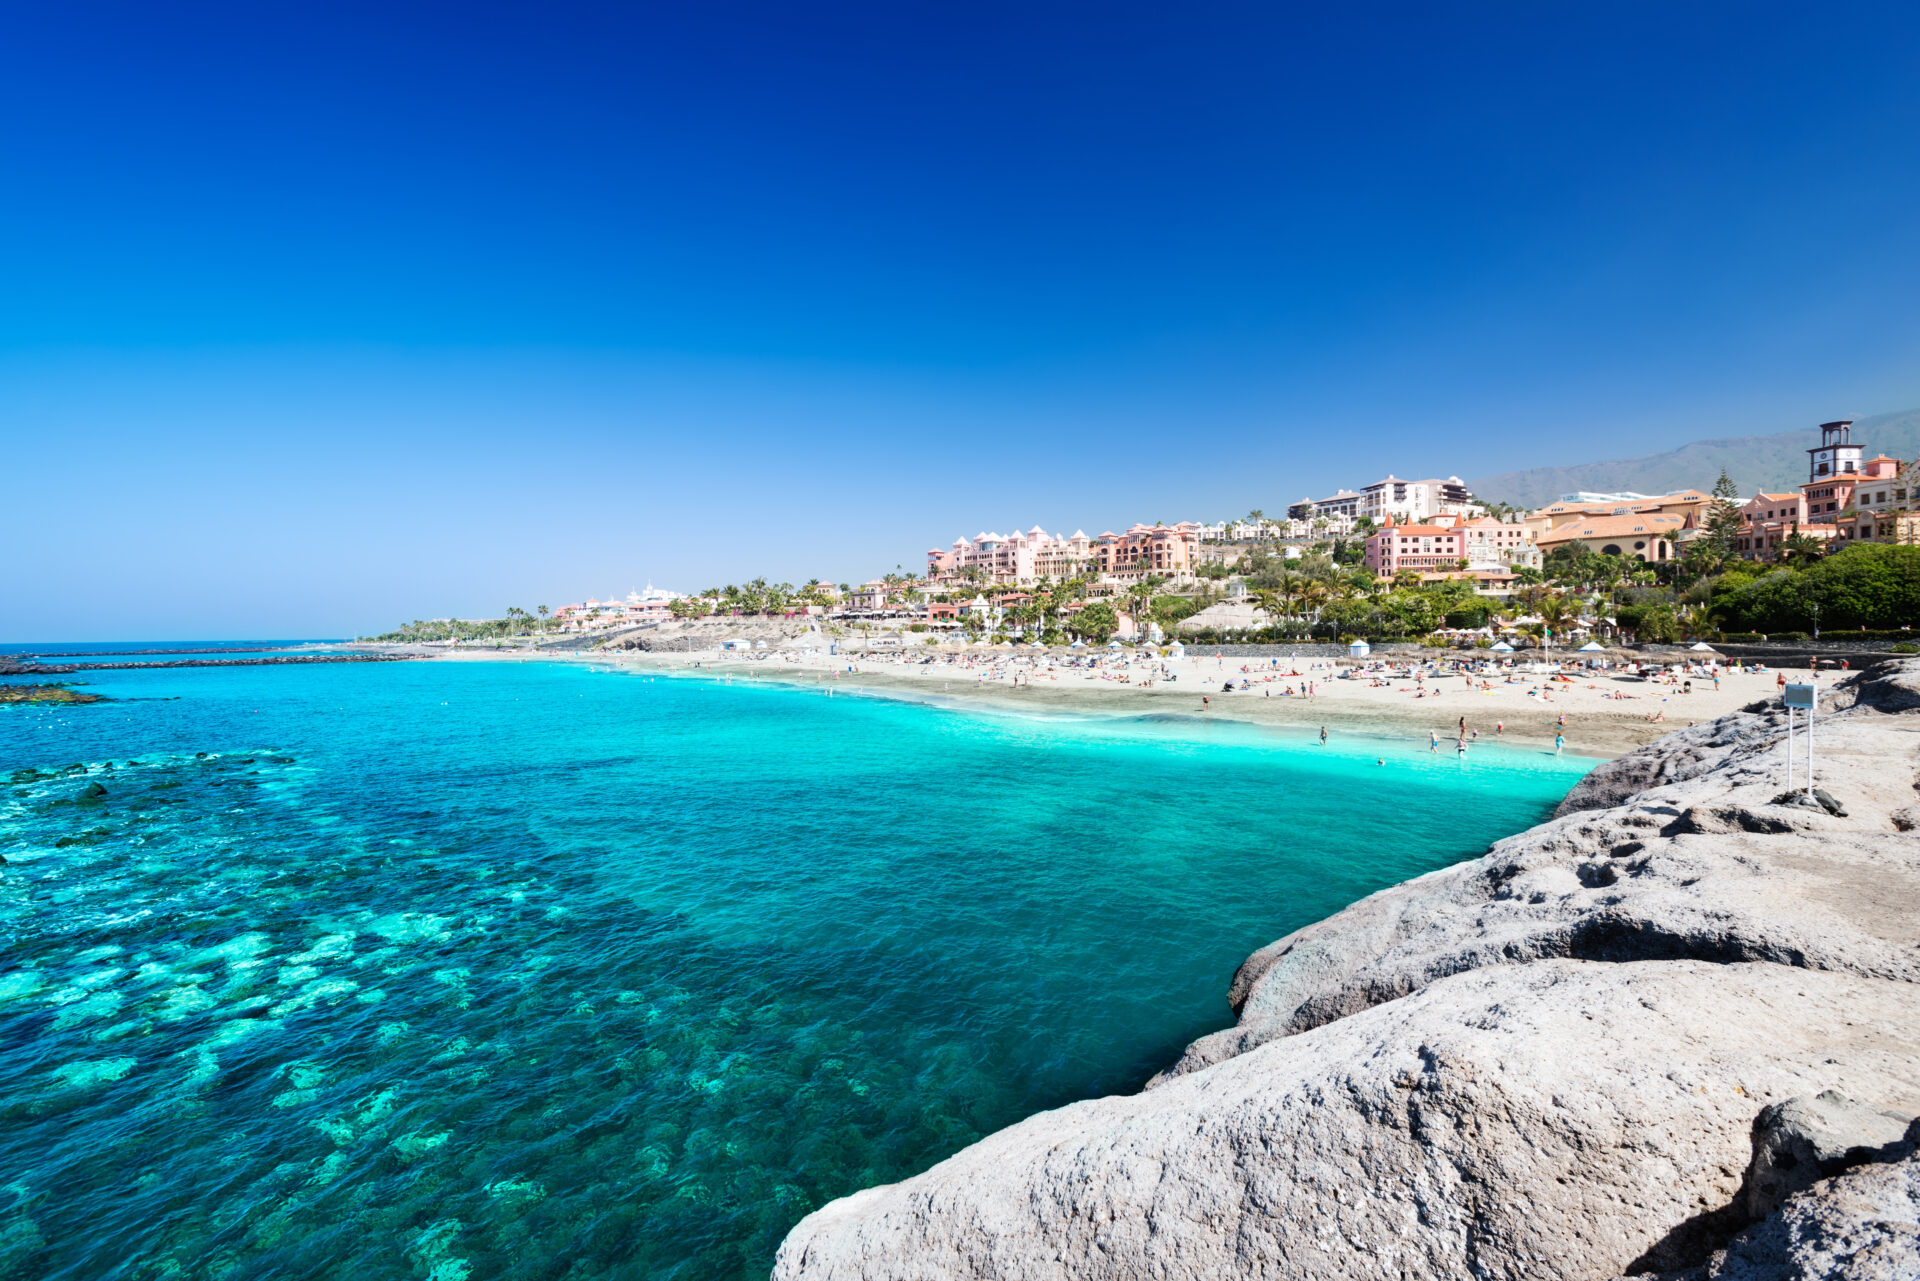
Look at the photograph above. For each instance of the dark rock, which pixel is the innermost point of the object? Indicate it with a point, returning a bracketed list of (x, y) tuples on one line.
[(1863, 1225), (1829, 804), (94, 792), (1720, 819), (1801, 1141)]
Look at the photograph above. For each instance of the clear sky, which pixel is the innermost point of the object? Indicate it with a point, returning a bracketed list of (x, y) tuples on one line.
[(315, 318)]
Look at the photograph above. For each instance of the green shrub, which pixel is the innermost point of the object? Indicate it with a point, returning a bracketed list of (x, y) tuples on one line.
[(1744, 638), (1906, 647)]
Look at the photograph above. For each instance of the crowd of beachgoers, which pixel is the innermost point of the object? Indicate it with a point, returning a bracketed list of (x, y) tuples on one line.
[(1596, 705)]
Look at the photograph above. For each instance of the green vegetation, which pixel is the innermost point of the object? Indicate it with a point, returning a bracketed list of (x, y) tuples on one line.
[(1096, 623), (1873, 586), (422, 630)]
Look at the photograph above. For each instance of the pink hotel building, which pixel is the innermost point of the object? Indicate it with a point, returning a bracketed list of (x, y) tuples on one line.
[(1485, 545), (1165, 550), (1424, 549)]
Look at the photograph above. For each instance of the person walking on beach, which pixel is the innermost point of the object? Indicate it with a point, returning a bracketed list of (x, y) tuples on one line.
[(1205, 702), (1433, 740), (1499, 728), (1559, 741), (1323, 736)]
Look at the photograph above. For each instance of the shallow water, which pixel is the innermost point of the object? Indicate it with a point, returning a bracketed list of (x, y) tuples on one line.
[(531, 970)]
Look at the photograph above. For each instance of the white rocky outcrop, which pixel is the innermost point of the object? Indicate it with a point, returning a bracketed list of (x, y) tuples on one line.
[(1556, 1060)]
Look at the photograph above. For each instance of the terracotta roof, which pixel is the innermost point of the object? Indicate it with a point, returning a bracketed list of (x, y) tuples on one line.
[(1656, 523)]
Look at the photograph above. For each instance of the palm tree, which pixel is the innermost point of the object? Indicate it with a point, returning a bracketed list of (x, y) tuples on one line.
[(1139, 598), (1800, 550), (1554, 612), (1314, 594)]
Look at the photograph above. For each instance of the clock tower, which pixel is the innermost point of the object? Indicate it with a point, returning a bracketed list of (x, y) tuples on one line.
[(1835, 455)]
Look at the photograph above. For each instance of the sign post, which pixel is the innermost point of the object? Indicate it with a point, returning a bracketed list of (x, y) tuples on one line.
[(1799, 696)]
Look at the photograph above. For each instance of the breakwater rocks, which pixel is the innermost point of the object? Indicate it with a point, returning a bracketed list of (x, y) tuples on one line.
[(1674, 1030), (55, 669)]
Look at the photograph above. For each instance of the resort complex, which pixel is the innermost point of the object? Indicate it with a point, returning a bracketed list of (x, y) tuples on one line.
[(1395, 558)]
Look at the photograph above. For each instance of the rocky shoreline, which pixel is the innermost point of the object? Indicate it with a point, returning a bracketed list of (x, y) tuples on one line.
[(1674, 1030)]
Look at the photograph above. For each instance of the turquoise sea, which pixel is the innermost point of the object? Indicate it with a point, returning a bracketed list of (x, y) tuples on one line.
[(531, 970)]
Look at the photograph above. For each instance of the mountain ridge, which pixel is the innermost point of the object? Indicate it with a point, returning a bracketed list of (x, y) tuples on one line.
[(1776, 461)]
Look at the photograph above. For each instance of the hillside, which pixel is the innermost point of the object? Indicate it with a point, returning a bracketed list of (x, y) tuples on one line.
[(1776, 461)]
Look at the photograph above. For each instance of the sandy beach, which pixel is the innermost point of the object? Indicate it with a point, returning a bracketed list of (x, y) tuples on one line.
[(1605, 713)]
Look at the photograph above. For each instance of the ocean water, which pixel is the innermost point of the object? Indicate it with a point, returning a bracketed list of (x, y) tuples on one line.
[(532, 970)]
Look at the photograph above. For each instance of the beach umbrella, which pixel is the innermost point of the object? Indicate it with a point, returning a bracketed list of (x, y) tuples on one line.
[(1078, 645), (1701, 647), (1038, 645), (1502, 648), (1593, 647)]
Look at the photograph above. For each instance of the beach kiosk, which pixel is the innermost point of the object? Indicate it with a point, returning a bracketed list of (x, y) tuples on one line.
[(1358, 649)]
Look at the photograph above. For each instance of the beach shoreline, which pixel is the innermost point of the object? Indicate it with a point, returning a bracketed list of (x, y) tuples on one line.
[(1605, 714)]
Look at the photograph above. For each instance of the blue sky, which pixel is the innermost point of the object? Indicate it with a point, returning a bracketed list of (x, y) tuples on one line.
[(317, 318)]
